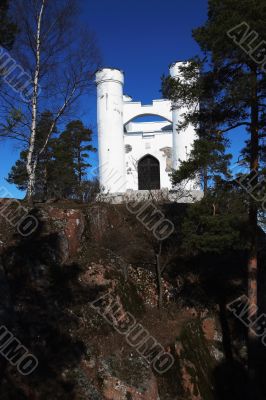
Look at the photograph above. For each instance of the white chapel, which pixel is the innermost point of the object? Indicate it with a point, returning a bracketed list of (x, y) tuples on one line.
[(133, 155)]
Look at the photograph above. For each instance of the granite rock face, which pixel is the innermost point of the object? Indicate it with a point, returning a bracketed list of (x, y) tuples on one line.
[(130, 379), (69, 224), (50, 279), (198, 352)]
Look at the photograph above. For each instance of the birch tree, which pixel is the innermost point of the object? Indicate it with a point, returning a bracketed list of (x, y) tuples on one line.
[(61, 57)]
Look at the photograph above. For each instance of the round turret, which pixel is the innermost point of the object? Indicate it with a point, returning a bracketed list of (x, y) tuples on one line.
[(109, 74), (111, 152), (182, 141)]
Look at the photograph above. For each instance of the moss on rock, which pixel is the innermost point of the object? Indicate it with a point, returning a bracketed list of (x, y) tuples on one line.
[(195, 361)]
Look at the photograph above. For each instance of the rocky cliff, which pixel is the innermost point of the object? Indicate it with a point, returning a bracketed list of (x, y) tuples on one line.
[(49, 284)]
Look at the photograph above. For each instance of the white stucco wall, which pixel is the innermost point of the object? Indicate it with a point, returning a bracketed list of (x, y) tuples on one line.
[(143, 144), (152, 127), (161, 108), (123, 142)]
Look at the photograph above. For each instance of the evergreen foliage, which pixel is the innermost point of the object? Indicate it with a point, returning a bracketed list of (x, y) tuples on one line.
[(217, 224), (229, 87), (8, 28), (62, 167)]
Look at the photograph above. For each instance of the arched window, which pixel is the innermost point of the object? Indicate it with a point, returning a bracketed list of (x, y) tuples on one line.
[(149, 173)]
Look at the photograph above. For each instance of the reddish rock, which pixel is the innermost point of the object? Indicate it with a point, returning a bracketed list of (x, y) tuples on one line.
[(190, 384), (96, 275), (69, 225), (198, 350), (139, 384), (99, 221), (209, 328), (74, 229)]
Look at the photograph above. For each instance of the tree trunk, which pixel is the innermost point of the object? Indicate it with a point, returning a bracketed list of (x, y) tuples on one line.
[(6, 311), (205, 180), (253, 222), (31, 162), (159, 277)]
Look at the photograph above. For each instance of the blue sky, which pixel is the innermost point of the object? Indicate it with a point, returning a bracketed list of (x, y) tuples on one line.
[(141, 37)]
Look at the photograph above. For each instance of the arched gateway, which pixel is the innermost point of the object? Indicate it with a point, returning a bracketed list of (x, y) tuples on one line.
[(149, 173)]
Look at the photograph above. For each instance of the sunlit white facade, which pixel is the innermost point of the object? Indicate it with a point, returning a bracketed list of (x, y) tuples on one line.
[(127, 147)]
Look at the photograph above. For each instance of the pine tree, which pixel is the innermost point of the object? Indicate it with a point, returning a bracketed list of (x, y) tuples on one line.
[(8, 29), (62, 167), (208, 159), (77, 140), (18, 173), (216, 224), (62, 179), (75, 145), (234, 73)]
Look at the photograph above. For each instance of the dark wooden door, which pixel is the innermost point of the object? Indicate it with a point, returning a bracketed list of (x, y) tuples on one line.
[(149, 173)]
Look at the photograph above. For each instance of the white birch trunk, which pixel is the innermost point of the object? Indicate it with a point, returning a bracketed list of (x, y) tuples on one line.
[(31, 163)]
